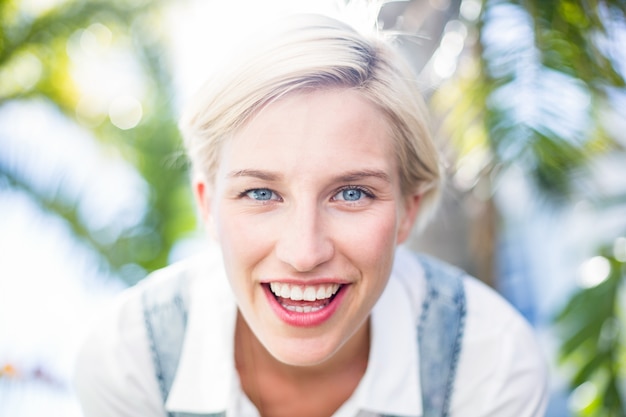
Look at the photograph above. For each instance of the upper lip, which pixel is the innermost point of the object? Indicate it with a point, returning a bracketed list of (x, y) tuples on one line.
[(307, 281)]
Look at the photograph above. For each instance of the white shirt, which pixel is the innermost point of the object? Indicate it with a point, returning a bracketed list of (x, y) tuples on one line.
[(500, 372)]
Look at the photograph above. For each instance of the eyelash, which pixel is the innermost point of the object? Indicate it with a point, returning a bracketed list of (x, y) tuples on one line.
[(365, 191), (244, 194)]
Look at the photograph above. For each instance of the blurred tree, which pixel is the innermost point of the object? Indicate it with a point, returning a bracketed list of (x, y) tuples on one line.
[(36, 64), (535, 88), (593, 346)]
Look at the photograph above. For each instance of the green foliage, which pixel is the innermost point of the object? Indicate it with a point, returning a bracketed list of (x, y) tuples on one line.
[(518, 100), (36, 63), (593, 332), (532, 92)]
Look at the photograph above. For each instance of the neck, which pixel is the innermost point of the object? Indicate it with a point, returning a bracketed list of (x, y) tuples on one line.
[(273, 385)]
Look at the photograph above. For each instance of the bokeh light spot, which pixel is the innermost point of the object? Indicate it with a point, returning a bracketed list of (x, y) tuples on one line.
[(470, 10), (125, 112), (594, 271), (91, 111)]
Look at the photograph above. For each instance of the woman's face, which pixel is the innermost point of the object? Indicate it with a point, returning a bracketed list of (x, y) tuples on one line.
[(307, 208)]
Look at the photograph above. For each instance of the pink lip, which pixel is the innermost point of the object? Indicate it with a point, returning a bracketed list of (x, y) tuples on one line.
[(311, 319), (309, 281)]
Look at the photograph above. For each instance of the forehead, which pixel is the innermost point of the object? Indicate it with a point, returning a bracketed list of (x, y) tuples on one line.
[(336, 128)]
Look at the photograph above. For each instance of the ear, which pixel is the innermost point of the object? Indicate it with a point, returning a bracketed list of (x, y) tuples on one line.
[(202, 193), (408, 216)]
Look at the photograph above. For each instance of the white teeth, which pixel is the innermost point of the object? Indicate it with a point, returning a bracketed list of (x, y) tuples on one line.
[(303, 292), (309, 294), (296, 293), (321, 293), (303, 309), (331, 290)]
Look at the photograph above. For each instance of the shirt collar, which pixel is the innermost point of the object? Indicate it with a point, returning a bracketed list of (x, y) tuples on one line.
[(391, 384), (206, 369), (206, 372)]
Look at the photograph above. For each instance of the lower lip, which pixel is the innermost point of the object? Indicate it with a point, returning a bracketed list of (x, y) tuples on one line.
[(312, 319)]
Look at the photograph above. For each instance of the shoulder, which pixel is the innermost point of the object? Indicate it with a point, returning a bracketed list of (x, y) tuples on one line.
[(487, 312), (501, 368), (122, 322), (114, 369)]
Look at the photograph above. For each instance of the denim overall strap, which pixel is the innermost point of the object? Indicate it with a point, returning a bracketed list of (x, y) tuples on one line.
[(165, 315), (440, 333)]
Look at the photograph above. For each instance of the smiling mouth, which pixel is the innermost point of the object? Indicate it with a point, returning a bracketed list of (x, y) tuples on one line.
[(304, 298)]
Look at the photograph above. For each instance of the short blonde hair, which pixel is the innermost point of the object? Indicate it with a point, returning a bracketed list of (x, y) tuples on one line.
[(317, 52)]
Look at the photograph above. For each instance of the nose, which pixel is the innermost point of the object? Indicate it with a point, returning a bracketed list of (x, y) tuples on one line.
[(304, 242)]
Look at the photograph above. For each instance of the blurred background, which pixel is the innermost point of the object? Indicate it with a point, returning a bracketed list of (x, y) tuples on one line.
[(529, 107)]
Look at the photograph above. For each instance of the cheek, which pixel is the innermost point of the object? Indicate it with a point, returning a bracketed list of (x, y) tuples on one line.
[(243, 241), (239, 256), (372, 241)]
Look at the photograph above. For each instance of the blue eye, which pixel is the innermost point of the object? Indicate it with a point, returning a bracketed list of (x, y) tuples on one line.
[(352, 194), (261, 194)]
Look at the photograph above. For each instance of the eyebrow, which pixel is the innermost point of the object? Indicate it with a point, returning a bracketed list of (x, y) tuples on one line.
[(350, 176), (354, 176), (255, 173)]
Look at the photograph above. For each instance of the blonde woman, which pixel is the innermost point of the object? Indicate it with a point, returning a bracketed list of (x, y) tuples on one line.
[(312, 162)]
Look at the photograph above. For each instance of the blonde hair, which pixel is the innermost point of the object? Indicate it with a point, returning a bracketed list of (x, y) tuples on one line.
[(317, 52)]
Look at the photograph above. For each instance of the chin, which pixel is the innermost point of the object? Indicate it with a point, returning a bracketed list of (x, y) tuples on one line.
[(303, 353)]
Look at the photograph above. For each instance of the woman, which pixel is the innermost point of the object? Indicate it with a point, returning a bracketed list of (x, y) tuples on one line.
[(312, 162)]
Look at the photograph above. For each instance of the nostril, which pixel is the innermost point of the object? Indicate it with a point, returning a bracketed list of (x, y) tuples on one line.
[(304, 253)]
